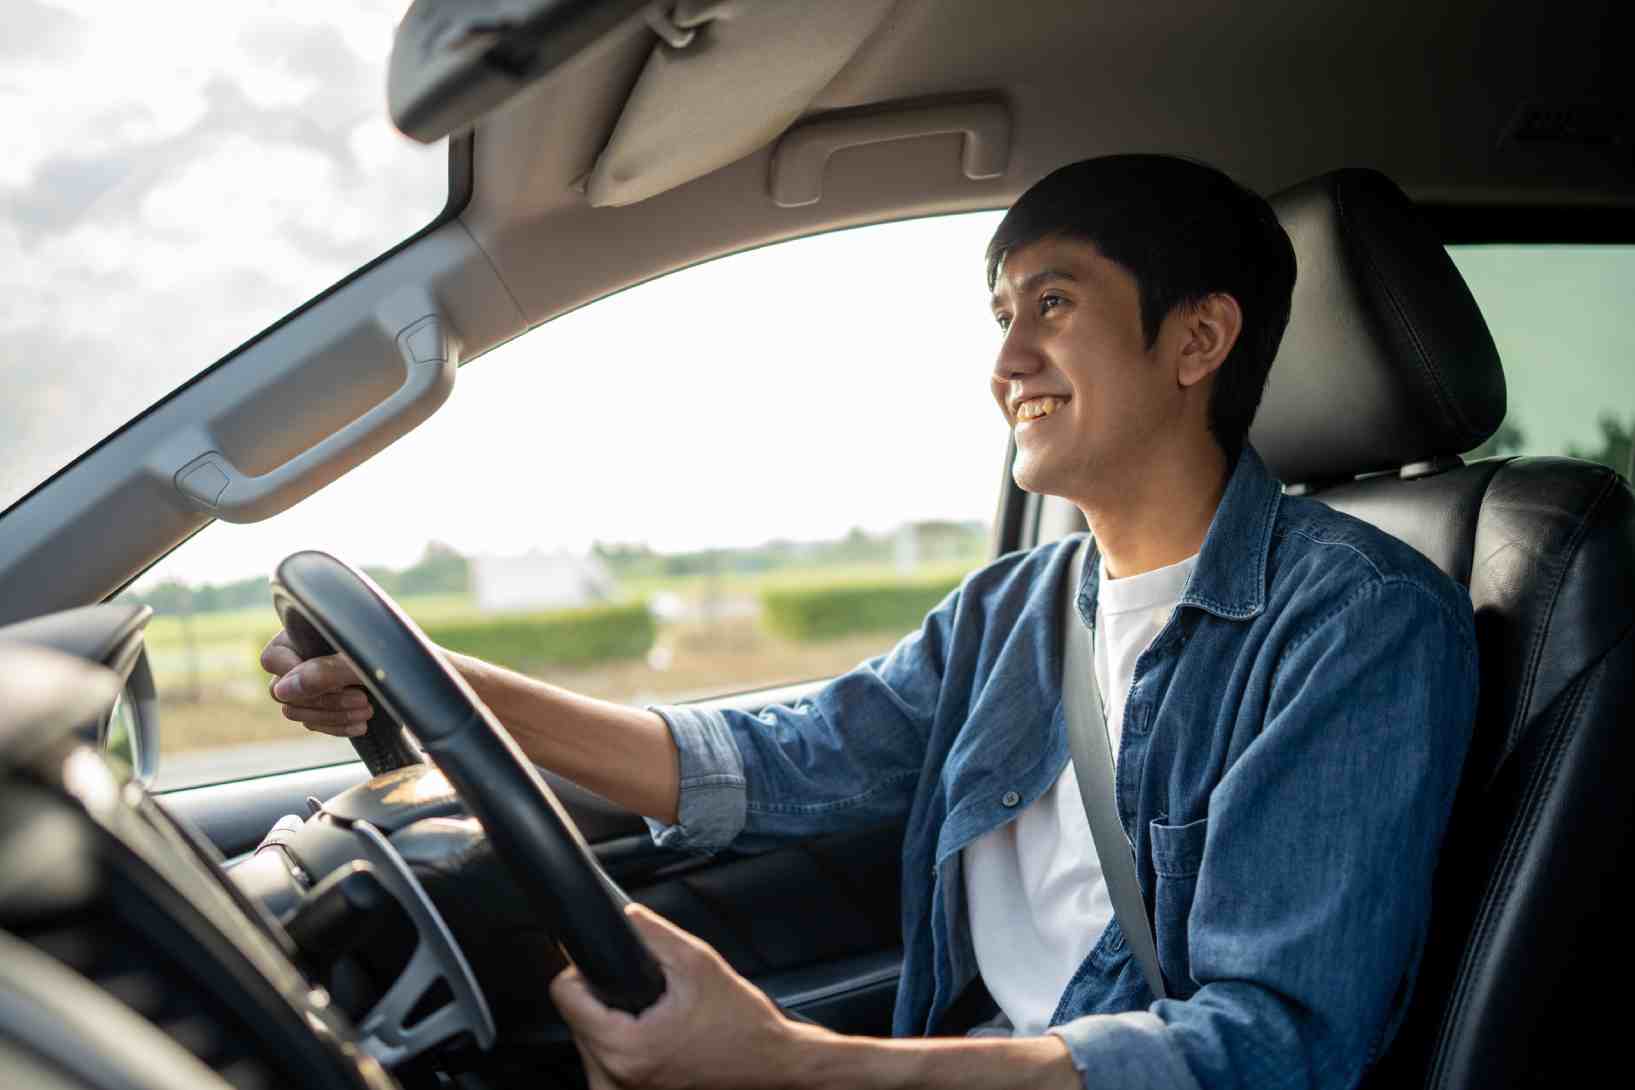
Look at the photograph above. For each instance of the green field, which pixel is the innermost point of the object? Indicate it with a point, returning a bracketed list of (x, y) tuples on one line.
[(223, 636), (214, 693), (257, 626), (733, 584)]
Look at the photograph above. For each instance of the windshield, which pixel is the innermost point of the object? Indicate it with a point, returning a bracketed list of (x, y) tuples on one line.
[(181, 178)]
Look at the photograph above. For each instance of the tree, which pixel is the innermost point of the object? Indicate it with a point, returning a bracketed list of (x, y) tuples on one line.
[(1507, 440), (1616, 441), (441, 569)]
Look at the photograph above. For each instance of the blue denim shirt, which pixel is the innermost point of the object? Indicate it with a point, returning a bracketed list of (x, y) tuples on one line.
[(1291, 746)]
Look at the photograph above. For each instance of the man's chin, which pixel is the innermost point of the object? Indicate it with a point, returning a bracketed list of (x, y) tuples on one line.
[(1034, 478), (1047, 480)]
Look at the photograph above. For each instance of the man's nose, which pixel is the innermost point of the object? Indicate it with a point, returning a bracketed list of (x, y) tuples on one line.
[(1018, 354)]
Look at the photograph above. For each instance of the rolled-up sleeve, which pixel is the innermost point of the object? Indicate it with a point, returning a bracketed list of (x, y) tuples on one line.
[(710, 809), (845, 758), (1125, 1050), (1312, 898)]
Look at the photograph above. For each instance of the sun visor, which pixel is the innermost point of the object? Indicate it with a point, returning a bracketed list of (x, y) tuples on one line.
[(690, 112)]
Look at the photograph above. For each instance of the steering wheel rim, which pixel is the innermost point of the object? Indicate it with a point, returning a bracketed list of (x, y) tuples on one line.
[(522, 816)]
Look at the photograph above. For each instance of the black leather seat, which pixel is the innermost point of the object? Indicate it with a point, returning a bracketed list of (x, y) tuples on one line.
[(1388, 371)]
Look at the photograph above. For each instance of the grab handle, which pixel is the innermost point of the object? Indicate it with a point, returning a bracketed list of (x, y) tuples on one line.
[(804, 152), (214, 482)]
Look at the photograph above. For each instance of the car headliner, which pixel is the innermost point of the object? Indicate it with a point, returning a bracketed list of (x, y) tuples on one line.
[(1272, 91)]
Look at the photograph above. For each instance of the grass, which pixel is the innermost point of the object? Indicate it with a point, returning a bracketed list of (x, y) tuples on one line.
[(214, 693), (236, 626)]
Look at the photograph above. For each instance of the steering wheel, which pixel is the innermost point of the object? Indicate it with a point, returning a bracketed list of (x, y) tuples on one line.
[(329, 606)]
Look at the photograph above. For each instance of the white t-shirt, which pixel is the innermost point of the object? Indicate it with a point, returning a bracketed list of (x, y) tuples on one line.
[(1037, 898)]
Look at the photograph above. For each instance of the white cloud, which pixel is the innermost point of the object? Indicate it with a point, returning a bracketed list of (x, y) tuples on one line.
[(185, 179)]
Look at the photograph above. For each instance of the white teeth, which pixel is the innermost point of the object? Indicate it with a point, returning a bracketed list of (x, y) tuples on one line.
[(1034, 408)]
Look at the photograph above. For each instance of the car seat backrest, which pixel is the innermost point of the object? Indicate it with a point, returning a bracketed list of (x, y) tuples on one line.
[(1388, 371), (1386, 374)]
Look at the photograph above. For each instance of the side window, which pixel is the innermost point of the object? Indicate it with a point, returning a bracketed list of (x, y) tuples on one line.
[(756, 471), (1556, 315)]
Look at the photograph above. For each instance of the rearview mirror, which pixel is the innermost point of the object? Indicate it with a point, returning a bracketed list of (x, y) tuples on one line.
[(453, 61)]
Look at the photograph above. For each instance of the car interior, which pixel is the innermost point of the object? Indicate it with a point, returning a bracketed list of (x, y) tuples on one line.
[(394, 920)]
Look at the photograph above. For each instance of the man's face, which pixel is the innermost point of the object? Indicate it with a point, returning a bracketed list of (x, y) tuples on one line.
[(1083, 394)]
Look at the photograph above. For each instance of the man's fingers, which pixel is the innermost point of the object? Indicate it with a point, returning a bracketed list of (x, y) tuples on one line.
[(596, 1076), (319, 693), (669, 944), (650, 924), (313, 678), (350, 699), (579, 1005), (279, 658), (568, 991), (341, 724)]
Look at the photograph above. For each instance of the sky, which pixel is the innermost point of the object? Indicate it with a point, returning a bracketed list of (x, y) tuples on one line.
[(176, 177), (184, 174)]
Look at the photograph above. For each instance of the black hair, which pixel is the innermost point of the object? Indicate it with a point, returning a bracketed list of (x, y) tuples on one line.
[(1184, 230)]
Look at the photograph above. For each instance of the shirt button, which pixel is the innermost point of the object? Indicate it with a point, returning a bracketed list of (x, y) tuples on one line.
[(1010, 798)]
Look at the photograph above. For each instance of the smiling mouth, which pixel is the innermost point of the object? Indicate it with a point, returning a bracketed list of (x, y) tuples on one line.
[(1037, 408)]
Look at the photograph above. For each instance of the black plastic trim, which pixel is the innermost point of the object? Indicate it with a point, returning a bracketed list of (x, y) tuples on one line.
[(805, 987), (234, 815), (1009, 524), (81, 1029), (1464, 224), (100, 633)]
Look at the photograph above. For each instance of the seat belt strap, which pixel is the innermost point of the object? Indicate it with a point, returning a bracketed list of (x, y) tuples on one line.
[(1093, 767)]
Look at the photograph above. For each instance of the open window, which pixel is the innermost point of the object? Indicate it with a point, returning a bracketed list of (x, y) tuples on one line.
[(757, 471)]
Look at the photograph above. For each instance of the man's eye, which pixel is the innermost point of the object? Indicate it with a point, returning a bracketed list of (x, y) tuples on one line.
[(1003, 320), (1049, 302)]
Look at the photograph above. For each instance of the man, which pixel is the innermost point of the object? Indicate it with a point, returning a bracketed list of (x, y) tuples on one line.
[(1289, 693)]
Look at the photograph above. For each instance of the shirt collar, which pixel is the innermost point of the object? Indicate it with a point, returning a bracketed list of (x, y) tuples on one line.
[(1230, 579)]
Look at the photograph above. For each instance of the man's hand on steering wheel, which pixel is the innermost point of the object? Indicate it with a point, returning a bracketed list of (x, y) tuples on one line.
[(710, 1028), (321, 693)]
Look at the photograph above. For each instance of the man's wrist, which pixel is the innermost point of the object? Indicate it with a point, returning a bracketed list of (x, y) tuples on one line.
[(822, 1060), (464, 665)]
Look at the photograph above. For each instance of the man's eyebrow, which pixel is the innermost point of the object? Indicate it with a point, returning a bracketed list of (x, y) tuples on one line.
[(1033, 280)]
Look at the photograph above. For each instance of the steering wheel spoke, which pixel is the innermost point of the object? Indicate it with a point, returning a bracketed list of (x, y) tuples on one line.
[(387, 1034)]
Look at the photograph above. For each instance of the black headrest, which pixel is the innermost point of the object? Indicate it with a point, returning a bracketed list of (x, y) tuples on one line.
[(1387, 361)]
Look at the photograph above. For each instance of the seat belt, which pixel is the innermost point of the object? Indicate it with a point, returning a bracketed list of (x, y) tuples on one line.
[(1093, 767)]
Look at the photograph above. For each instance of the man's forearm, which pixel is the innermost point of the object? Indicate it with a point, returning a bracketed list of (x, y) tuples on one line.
[(622, 753), (822, 1060)]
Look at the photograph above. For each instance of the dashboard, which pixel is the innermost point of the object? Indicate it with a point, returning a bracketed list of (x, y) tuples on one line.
[(108, 904), (346, 950)]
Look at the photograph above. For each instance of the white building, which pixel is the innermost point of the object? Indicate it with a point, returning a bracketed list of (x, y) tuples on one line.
[(538, 580)]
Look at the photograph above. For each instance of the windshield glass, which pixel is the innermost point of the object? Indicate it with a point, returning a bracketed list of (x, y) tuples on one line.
[(177, 179)]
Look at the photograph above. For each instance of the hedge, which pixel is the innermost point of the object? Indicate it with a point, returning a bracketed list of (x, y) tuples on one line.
[(565, 637), (827, 612)]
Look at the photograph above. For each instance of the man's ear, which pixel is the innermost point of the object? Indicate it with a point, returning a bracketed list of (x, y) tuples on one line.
[(1209, 329)]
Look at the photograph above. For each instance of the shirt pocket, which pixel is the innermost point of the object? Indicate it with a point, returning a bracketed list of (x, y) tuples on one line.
[(1177, 856)]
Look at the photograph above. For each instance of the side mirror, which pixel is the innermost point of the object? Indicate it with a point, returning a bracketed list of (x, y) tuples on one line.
[(131, 733)]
